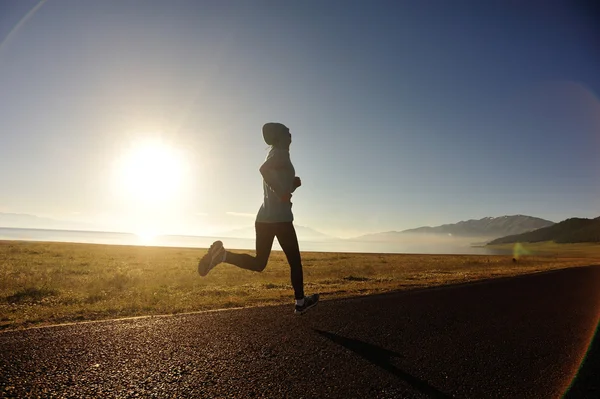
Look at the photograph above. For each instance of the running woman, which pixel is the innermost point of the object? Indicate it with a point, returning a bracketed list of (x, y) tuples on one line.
[(274, 219)]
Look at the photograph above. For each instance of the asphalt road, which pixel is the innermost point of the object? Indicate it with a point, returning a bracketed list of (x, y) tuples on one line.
[(522, 337)]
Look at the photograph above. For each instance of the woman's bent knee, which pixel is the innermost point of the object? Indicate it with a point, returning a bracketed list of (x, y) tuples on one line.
[(260, 265)]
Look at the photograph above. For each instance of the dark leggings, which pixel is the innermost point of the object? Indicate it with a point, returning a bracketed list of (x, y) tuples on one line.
[(265, 233)]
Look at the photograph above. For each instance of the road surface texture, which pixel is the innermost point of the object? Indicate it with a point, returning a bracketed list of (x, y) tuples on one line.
[(522, 337)]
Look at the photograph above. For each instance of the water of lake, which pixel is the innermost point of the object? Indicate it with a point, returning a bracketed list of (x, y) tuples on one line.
[(337, 245)]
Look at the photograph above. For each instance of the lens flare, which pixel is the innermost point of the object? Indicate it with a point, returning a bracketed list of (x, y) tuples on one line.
[(587, 369), (18, 26), (519, 250)]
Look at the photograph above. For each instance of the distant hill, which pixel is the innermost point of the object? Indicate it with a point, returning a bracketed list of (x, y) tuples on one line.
[(488, 228), (303, 232), (568, 231), (22, 220)]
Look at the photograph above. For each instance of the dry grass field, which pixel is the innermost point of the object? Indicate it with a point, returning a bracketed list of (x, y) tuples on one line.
[(49, 283)]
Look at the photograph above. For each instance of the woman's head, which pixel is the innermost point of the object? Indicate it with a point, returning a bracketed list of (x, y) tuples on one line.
[(277, 134)]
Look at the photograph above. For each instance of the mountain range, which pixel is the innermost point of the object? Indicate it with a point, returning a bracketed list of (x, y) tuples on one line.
[(487, 228), (568, 231)]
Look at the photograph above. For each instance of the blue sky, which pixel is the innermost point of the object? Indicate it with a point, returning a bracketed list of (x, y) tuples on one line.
[(403, 114)]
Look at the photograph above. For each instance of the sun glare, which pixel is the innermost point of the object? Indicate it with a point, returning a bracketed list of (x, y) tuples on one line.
[(146, 237), (149, 174)]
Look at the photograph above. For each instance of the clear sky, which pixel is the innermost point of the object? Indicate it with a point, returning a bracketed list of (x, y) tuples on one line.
[(147, 115)]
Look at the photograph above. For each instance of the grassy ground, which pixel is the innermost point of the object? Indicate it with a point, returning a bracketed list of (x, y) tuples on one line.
[(47, 283)]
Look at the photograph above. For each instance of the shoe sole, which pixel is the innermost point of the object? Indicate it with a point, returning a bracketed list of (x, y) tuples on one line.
[(204, 266), (307, 309)]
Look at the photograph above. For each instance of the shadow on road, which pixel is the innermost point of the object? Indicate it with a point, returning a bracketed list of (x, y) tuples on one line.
[(382, 358)]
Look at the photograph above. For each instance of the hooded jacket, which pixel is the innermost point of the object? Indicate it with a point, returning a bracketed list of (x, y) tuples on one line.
[(278, 176)]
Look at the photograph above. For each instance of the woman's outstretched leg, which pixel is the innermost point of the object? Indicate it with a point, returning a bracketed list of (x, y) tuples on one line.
[(265, 233)]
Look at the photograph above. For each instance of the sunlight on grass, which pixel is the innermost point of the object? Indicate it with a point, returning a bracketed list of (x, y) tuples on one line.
[(45, 283)]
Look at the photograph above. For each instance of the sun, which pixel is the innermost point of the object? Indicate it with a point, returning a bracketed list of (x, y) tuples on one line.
[(150, 173)]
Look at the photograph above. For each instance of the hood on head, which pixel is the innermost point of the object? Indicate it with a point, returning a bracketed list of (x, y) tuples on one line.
[(274, 133)]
